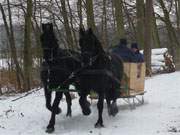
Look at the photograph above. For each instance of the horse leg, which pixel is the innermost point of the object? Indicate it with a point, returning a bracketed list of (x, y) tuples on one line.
[(55, 110), (108, 101), (85, 105), (69, 103), (113, 94), (48, 98), (57, 99), (100, 104), (114, 107)]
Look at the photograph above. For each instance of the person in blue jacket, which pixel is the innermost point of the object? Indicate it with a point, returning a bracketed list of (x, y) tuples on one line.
[(123, 51), (138, 56)]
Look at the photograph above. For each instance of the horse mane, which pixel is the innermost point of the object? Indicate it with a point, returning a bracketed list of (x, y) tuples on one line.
[(98, 43), (89, 32)]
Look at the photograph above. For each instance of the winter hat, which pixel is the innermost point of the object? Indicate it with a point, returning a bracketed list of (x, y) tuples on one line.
[(134, 45)]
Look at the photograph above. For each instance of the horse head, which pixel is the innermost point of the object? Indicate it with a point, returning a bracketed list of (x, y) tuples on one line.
[(47, 27), (89, 44), (49, 42)]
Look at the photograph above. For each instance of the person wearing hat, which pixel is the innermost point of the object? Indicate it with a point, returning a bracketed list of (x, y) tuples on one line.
[(123, 51), (138, 56)]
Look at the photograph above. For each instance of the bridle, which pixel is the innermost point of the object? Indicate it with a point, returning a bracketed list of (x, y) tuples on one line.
[(51, 57), (91, 59)]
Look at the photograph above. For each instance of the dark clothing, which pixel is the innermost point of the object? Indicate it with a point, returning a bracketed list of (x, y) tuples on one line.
[(138, 57), (134, 45), (124, 52)]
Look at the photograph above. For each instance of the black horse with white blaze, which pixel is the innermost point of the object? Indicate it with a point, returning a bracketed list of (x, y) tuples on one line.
[(57, 67), (102, 73)]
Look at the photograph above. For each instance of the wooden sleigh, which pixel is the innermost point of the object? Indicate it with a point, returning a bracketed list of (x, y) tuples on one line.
[(132, 84)]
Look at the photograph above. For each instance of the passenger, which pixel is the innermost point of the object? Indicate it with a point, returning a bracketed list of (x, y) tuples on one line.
[(123, 51), (138, 56)]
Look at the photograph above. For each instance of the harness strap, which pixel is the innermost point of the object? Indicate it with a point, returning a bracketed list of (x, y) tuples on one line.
[(101, 71)]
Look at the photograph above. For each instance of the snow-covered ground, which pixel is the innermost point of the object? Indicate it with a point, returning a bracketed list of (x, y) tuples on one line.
[(159, 115)]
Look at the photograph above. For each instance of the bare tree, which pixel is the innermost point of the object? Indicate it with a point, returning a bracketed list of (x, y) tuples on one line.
[(118, 5), (79, 8), (140, 22), (90, 15), (10, 36), (156, 39), (69, 36), (27, 46), (170, 29), (148, 34), (104, 26)]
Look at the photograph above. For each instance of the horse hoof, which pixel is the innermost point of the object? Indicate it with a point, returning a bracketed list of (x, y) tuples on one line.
[(109, 111), (58, 111), (50, 130), (68, 115), (86, 108), (98, 125), (87, 111), (113, 110)]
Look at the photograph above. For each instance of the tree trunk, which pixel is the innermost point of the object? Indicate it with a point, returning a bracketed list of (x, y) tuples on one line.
[(37, 32), (118, 4), (130, 22), (90, 15), (10, 36), (113, 15), (148, 34), (68, 31), (178, 26), (177, 6), (75, 41), (27, 47), (104, 26), (79, 7), (155, 33), (38, 50), (171, 31), (140, 22)]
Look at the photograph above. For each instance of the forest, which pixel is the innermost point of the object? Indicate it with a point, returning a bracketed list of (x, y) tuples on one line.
[(150, 23)]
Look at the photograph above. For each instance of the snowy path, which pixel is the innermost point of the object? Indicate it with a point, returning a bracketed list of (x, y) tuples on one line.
[(159, 115)]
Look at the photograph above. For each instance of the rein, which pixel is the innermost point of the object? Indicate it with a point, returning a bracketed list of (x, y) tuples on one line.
[(75, 73)]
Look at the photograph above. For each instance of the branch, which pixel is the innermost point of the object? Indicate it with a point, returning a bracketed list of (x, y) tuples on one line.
[(28, 93)]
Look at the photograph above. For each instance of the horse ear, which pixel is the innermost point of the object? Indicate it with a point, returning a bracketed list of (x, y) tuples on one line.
[(90, 31)]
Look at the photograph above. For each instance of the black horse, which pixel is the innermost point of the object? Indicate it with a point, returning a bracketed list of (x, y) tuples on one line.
[(102, 73), (57, 68)]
